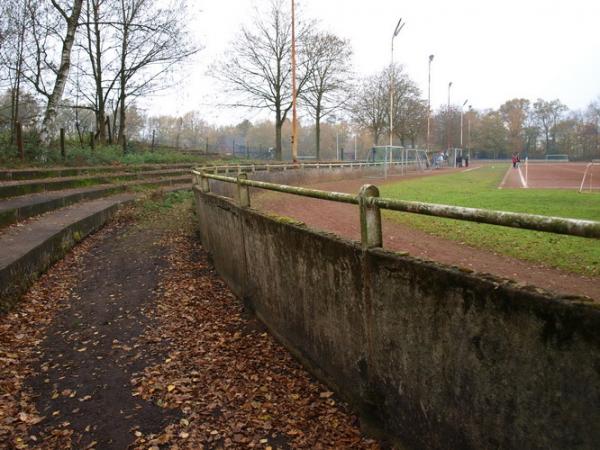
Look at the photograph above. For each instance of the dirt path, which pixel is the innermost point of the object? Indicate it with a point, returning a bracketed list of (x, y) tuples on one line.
[(133, 341), (93, 347), (343, 220)]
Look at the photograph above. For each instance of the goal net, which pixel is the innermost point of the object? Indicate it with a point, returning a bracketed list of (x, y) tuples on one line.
[(397, 160)]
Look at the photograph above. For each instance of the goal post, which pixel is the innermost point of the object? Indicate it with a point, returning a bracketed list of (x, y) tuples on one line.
[(397, 160), (588, 175)]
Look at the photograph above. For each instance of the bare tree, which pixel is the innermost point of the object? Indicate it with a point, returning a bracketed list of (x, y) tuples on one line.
[(100, 47), (408, 113), (14, 32), (548, 114), (152, 41), (369, 108), (257, 69), (62, 22), (328, 85)]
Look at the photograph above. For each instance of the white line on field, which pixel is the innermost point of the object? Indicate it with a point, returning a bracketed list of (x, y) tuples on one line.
[(523, 183), (472, 168), (503, 182)]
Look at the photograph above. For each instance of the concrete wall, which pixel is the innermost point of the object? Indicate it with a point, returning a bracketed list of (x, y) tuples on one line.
[(443, 359)]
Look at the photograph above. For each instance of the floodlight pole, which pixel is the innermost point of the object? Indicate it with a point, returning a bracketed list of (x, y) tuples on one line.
[(461, 123), (294, 114), (448, 120), (397, 30), (429, 102), (469, 130)]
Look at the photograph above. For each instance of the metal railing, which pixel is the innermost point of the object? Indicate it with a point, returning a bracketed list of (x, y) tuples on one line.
[(269, 167), (370, 203)]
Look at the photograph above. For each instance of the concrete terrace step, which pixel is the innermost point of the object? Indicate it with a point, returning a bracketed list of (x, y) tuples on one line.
[(15, 188), (20, 208), (57, 172), (27, 251)]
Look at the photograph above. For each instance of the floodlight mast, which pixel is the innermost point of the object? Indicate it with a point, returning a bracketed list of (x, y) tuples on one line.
[(448, 119), (429, 102), (397, 30), (461, 122), (294, 113)]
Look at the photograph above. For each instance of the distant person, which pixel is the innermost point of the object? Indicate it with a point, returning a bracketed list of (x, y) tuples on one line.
[(514, 160), (466, 160)]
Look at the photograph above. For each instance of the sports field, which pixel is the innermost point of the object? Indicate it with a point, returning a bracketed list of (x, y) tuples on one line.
[(479, 189), (559, 263), (552, 175)]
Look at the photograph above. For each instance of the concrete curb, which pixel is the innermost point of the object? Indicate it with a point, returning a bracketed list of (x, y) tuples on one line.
[(16, 277)]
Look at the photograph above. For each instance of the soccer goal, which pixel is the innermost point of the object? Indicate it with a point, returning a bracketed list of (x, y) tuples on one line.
[(588, 177), (397, 160), (557, 158)]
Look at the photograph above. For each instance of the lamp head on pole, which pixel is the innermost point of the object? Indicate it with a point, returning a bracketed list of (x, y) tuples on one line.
[(430, 58), (449, 85), (399, 27)]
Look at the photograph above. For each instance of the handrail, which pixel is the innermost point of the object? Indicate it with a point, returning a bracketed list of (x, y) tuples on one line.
[(301, 165), (550, 224)]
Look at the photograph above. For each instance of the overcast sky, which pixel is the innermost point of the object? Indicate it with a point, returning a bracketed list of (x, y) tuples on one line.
[(491, 50)]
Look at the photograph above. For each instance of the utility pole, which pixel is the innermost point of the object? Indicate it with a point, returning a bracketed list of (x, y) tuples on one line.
[(397, 30), (448, 120), (469, 131), (461, 123), (294, 116), (429, 103)]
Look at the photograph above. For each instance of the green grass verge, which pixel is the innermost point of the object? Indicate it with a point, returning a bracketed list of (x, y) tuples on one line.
[(479, 189), (101, 156)]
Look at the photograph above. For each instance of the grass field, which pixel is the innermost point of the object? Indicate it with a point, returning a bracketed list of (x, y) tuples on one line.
[(479, 189)]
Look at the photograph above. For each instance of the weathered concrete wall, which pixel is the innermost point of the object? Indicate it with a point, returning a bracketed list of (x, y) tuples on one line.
[(442, 358)]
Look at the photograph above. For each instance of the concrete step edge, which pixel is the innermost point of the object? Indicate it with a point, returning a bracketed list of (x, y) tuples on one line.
[(40, 206), (32, 187)]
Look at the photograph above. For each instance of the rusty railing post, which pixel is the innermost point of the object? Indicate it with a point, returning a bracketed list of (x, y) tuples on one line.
[(243, 191), (204, 183), (370, 218)]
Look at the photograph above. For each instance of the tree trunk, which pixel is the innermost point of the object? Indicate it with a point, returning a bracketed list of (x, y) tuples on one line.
[(278, 127), (318, 136), (101, 112), (123, 82), (62, 76)]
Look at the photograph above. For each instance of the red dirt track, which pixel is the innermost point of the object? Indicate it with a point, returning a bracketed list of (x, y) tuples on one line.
[(551, 176), (343, 220)]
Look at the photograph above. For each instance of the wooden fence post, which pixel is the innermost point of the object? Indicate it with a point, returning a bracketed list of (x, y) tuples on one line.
[(20, 145), (370, 218), (63, 153)]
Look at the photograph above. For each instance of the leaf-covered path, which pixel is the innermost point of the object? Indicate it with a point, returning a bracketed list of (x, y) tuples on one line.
[(134, 341)]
